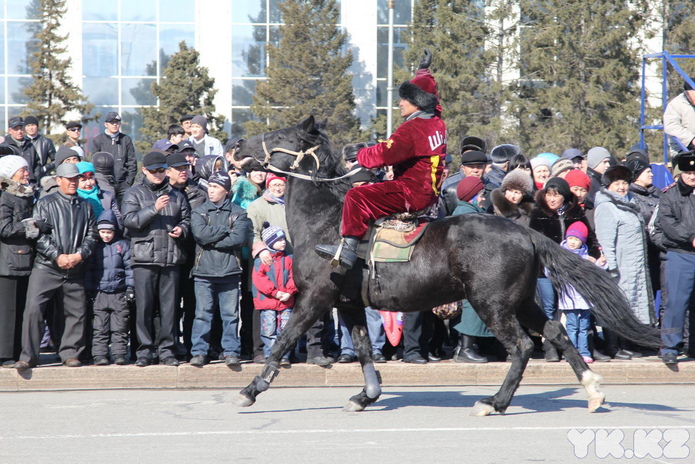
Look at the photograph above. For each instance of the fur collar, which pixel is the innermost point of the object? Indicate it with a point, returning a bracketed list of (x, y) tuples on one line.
[(15, 188), (542, 205), (506, 208)]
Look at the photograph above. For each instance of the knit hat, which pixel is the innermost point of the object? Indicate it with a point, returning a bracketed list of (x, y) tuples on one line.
[(271, 234), (201, 121), (473, 143), (596, 155), (105, 221), (518, 180), (578, 178), (503, 153), (561, 186), (64, 153), (272, 177), (85, 166), (579, 230), (31, 120), (10, 164), (468, 188), (552, 157), (572, 153), (222, 179), (473, 157), (637, 165), (421, 91), (539, 161), (560, 166), (615, 173), (687, 86)]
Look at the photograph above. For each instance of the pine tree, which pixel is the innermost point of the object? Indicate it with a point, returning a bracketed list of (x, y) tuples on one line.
[(308, 74), (52, 94), (470, 92), (679, 39), (185, 88), (580, 65)]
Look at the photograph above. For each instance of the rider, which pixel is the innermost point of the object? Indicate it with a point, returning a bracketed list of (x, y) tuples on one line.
[(416, 150)]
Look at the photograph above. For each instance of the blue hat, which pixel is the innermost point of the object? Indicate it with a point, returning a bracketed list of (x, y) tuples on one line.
[(164, 145), (85, 166), (271, 234)]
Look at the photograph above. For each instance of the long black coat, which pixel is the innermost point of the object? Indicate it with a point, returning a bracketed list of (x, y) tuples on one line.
[(16, 250)]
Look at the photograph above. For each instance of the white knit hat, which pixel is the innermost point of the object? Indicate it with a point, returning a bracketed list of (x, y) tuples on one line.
[(10, 164)]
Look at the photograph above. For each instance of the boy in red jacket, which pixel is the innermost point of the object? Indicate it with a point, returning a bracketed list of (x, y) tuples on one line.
[(274, 289)]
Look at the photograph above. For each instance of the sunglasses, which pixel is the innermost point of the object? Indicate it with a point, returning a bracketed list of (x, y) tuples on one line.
[(157, 171), (74, 129)]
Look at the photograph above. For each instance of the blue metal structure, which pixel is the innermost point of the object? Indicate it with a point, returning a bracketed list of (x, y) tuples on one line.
[(666, 59)]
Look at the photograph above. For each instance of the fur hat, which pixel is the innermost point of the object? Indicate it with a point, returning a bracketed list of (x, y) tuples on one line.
[(685, 161), (578, 178), (687, 86), (473, 157), (596, 155), (473, 143), (518, 180), (222, 179), (560, 166), (421, 91), (271, 234), (579, 230), (10, 164), (503, 153), (468, 188), (615, 173), (561, 186)]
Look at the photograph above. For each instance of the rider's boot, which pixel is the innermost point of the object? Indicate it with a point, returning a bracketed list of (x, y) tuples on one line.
[(348, 252)]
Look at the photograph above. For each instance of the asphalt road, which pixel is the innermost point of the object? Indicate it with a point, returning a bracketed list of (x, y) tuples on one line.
[(550, 424)]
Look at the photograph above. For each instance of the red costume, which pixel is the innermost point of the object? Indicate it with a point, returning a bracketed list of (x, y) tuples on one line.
[(416, 150)]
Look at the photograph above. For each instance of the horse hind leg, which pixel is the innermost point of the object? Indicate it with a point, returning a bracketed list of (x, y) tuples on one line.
[(356, 322), (555, 332)]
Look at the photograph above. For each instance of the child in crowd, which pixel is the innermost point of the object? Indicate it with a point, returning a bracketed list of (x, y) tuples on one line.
[(109, 282), (571, 303), (274, 289)]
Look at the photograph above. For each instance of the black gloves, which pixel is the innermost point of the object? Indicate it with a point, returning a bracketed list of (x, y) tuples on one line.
[(426, 59), (44, 227)]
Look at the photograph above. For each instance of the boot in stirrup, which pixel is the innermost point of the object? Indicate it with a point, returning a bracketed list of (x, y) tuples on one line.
[(344, 254)]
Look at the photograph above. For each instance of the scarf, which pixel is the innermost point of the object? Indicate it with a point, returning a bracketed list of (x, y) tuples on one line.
[(92, 197), (279, 201)]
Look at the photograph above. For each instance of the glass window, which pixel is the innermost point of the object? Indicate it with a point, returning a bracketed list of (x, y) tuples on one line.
[(381, 93), (249, 11), (20, 46), (275, 14), (100, 49), (132, 122), (138, 10), (22, 9), (402, 12), (138, 50), (137, 92), (2, 53), (15, 89), (248, 51), (99, 11), (101, 90), (242, 92), (2, 98), (177, 11), (171, 34), (239, 117)]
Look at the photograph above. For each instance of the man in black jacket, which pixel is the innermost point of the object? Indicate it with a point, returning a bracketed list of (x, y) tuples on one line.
[(44, 147), (68, 237), (676, 218), (121, 147), (158, 218), (22, 146)]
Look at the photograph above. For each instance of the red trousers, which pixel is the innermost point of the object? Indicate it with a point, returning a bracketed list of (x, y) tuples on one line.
[(373, 201)]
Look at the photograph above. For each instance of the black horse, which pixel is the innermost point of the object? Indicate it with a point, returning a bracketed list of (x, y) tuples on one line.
[(491, 261)]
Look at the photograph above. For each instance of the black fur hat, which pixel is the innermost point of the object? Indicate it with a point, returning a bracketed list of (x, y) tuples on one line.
[(613, 173), (561, 186), (426, 101)]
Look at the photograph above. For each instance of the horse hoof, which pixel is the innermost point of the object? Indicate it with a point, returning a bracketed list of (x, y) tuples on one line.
[(482, 409), (244, 401), (596, 402), (351, 406)]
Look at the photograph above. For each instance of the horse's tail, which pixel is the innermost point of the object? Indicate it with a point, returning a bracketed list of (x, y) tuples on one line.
[(607, 300)]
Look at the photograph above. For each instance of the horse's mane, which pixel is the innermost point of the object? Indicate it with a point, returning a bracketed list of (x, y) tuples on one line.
[(331, 165)]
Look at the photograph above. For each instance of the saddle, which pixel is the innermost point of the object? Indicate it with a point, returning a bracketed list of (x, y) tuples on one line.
[(392, 239)]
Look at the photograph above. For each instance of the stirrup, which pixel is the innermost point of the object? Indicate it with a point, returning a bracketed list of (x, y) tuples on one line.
[(335, 261)]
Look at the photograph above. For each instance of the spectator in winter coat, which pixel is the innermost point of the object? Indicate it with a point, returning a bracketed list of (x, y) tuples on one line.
[(73, 130), (679, 120), (203, 143), (158, 218), (220, 229), (121, 147), (43, 145), (274, 289), (16, 252), (514, 199), (109, 282), (21, 146), (89, 189), (598, 159)]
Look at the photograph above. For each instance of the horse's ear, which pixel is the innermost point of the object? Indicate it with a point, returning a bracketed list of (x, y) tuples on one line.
[(308, 124)]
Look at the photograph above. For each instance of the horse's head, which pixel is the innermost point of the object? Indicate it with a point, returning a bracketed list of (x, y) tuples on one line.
[(288, 149)]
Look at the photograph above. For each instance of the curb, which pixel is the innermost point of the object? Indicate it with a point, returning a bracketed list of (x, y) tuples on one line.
[(55, 377)]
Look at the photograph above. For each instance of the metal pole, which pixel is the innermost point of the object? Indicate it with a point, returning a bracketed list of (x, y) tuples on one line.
[(389, 77)]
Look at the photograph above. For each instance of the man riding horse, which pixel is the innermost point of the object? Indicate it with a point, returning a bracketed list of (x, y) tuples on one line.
[(416, 150)]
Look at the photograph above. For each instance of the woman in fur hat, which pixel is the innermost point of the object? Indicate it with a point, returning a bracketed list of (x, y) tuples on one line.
[(621, 232), (16, 252), (514, 199)]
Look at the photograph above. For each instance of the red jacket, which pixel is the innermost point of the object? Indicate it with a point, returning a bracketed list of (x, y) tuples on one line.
[(416, 150), (268, 280)]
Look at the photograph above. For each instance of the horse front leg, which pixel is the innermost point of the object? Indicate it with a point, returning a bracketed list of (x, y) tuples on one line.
[(300, 321), (357, 324)]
